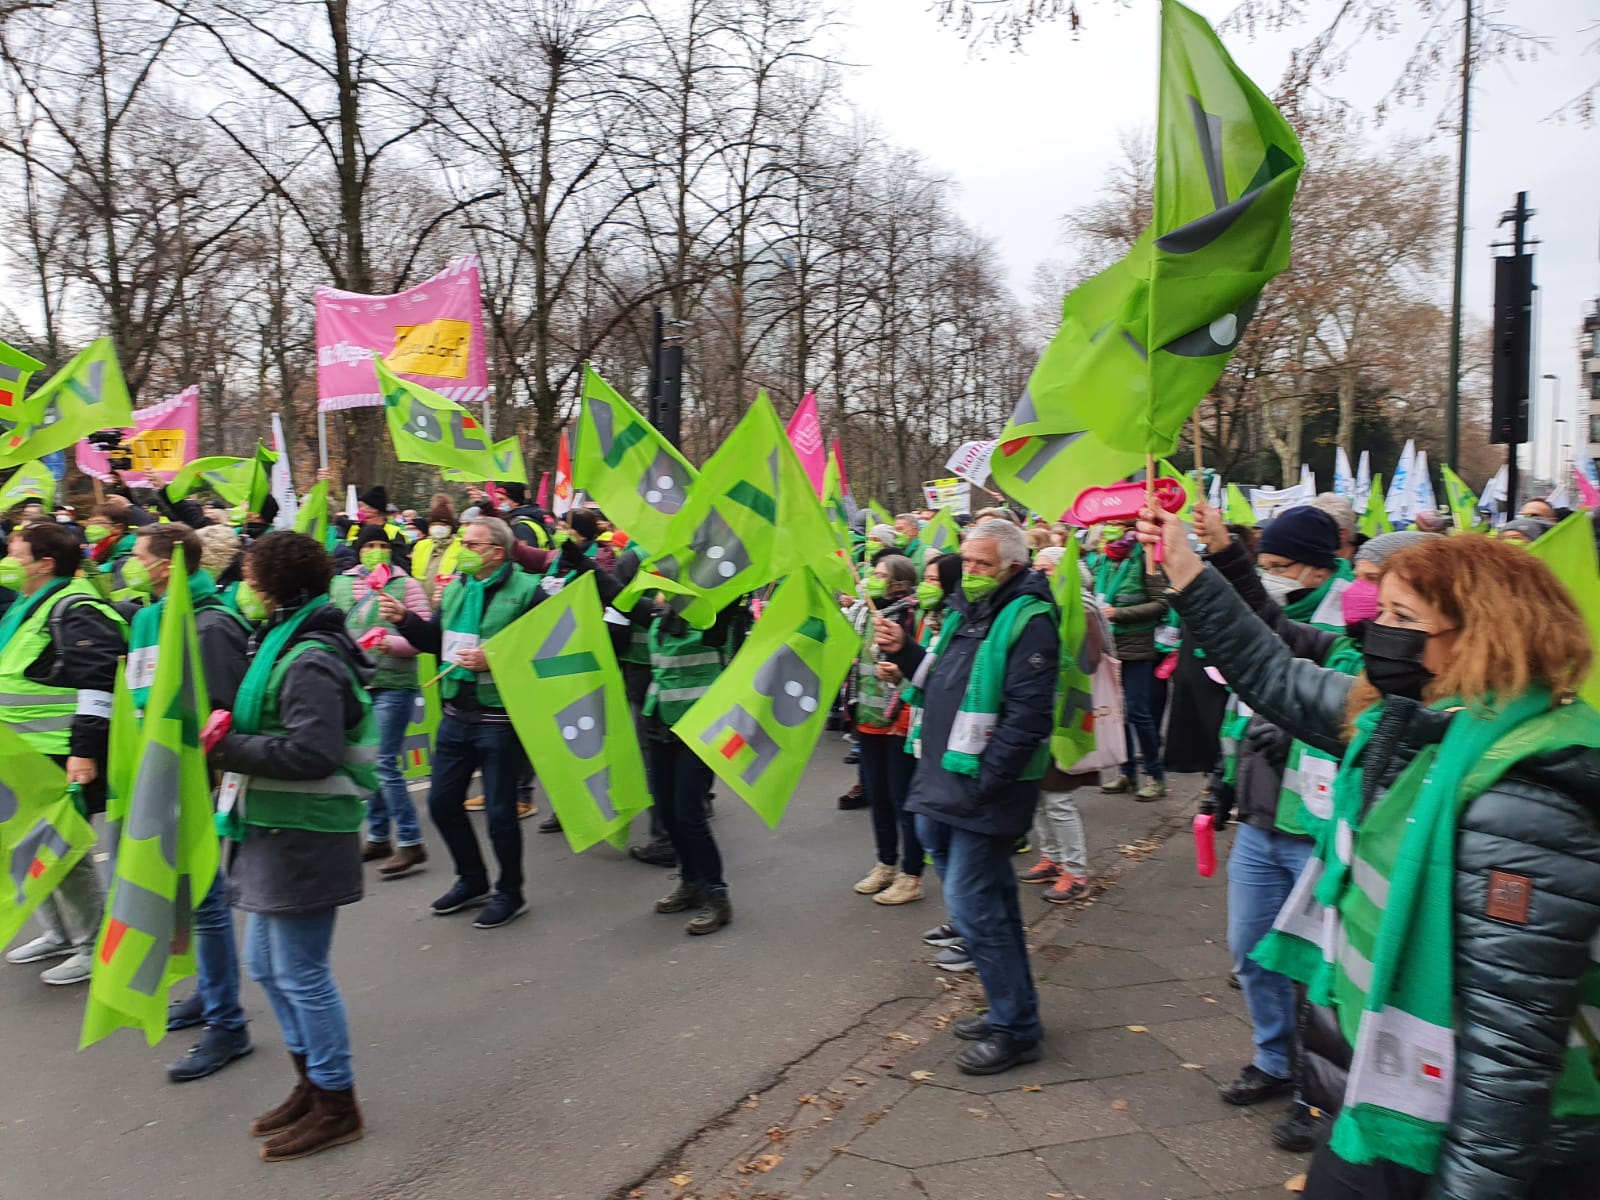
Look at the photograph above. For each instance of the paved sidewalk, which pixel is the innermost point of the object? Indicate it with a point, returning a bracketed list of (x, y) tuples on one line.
[(1142, 1026)]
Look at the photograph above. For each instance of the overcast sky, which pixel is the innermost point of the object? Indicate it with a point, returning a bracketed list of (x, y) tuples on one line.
[(1029, 135)]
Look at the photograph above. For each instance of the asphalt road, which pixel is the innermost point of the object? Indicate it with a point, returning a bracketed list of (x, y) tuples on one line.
[(559, 1057)]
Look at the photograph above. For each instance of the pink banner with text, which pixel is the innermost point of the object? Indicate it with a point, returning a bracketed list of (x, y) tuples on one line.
[(431, 333), (162, 440)]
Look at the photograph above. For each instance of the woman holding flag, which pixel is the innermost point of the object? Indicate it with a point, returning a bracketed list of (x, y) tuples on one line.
[(1450, 913)]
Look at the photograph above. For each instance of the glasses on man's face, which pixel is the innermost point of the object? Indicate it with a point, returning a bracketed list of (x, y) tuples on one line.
[(476, 545)]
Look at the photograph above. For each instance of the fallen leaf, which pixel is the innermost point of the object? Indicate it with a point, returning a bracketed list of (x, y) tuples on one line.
[(761, 1164), (1297, 1184), (1137, 1029), (752, 1101), (808, 1098), (921, 1076), (855, 1079), (777, 1133), (1119, 1106), (681, 1180), (1193, 1067), (978, 1112), (897, 1036), (1057, 1195), (1033, 1087), (1209, 999)]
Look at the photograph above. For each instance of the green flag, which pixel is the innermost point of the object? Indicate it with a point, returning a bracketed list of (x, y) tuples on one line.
[(506, 458), (942, 533), (556, 666), (426, 427), (834, 504), (311, 518), (1569, 551), (880, 515), (759, 723), (416, 750), (751, 517), (122, 753), (16, 368), (42, 834), (241, 482), (1074, 734), (633, 473), (30, 481), (167, 856), (1142, 342), (1463, 502), (1376, 519), (1238, 510), (87, 394)]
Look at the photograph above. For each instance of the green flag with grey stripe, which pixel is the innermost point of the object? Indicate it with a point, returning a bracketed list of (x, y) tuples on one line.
[(167, 855), (87, 394), (634, 474), (563, 688), (42, 835)]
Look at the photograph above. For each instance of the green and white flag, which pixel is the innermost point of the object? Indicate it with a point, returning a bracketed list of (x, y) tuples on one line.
[(633, 473), (30, 481), (87, 394), (505, 457), (16, 368), (312, 518), (42, 834), (1074, 734), (1463, 503), (758, 724), (942, 533), (1142, 342), (426, 427), (167, 856), (241, 482), (564, 693)]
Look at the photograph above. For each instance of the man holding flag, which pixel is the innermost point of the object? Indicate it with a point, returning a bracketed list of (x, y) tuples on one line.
[(59, 702)]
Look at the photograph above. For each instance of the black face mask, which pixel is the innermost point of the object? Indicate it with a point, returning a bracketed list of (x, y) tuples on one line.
[(1394, 660), (1356, 631)]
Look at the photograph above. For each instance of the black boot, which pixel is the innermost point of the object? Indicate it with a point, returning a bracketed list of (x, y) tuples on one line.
[(997, 1052), (715, 911), (971, 1029), (682, 898)]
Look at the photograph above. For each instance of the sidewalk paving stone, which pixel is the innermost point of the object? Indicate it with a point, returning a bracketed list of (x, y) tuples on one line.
[(1062, 1113), (1162, 1099), (934, 1125), (1132, 1167), (1010, 1175), (1232, 1153), (1215, 1041)]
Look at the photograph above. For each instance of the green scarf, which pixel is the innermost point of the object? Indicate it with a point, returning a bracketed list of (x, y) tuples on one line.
[(980, 706), (251, 703), (145, 632), (1115, 580), (1320, 606), (468, 618), (1370, 926)]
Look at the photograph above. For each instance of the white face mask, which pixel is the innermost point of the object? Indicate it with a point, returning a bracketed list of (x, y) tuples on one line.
[(438, 532), (1280, 587)]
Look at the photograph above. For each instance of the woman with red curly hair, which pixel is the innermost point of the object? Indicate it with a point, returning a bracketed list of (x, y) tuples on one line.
[(1450, 916)]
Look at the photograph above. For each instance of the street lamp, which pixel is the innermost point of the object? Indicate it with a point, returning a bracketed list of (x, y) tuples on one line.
[(1562, 444), (1555, 415)]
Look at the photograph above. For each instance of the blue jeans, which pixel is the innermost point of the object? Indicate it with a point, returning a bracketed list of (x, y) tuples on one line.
[(459, 748), (980, 892), (217, 958), (289, 958), (1144, 699), (680, 782), (392, 801), (1262, 870), (885, 774)]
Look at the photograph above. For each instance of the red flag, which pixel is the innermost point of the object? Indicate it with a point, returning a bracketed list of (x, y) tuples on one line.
[(563, 500)]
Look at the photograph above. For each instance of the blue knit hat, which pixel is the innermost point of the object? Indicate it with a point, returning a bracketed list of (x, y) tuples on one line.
[(1303, 535)]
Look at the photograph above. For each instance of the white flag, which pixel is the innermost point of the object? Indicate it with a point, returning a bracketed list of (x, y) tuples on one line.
[(1422, 494), (1344, 483), (1307, 479), (282, 481), (351, 509), (1363, 491), (1401, 487), (1268, 502), (1494, 492)]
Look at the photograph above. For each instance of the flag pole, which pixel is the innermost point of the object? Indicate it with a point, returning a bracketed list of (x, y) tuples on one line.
[(1199, 453), (1150, 503)]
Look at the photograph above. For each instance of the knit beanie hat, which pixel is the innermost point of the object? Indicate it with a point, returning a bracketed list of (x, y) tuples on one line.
[(887, 534), (1303, 535), (1377, 550)]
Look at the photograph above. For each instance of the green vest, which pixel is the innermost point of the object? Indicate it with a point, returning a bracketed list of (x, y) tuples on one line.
[(682, 669), (361, 614), (638, 647), (541, 535), (42, 714), (335, 804), (1306, 798), (515, 596), (1121, 585)]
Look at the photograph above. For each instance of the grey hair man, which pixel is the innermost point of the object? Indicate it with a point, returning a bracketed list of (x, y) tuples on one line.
[(985, 747)]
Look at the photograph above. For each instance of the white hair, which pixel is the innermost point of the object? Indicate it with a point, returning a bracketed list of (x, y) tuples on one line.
[(1008, 538), (499, 532), (1340, 509), (1050, 556)]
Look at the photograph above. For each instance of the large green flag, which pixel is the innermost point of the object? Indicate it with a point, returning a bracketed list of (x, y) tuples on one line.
[(167, 856), (416, 750), (1569, 551), (751, 517), (880, 515), (122, 753), (241, 482), (30, 481), (506, 458), (1463, 501), (1239, 510), (1074, 734), (311, 518), (1142, 342), (942, 533), (759, 723), (87, 394), (556, 666), (1376, 519), (42, 834), (426, 427), (16, 368), (634, 474), (834, 504)]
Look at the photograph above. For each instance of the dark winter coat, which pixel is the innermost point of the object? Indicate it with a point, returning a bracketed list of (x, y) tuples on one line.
[(997, 801), (286, 872), (1516, 984)]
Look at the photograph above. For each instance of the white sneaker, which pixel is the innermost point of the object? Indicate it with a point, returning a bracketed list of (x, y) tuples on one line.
[(903, 890), (46, 945), (880, 877), (74, 970)]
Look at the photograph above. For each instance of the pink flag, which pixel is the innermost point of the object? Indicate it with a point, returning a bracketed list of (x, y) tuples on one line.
[(163, 438), (805, 435), (431, 333), (1588, 494), (543, 500)]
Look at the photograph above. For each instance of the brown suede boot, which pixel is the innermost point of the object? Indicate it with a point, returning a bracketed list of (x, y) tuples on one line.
[(276, 1120), (334, 1120), (403, 861), (373, 851)]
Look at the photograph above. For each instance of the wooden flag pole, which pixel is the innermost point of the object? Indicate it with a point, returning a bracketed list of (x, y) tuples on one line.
[(1150, 503), (1199, 453)]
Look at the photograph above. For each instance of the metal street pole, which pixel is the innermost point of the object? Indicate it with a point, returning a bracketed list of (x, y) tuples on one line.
[(1555, 415), (1452, 412)]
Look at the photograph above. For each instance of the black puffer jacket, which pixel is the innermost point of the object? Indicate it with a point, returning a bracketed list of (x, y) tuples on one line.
[(1516, 983), (997, 802)]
